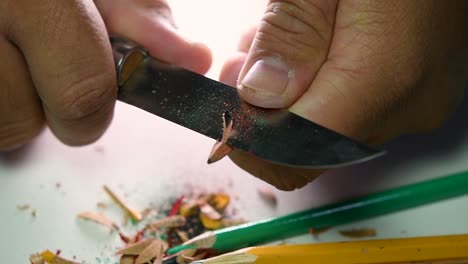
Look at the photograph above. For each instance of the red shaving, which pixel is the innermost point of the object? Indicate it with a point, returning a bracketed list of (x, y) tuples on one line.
[(176, 206), (139, 236), (317, 232), (124, 238)]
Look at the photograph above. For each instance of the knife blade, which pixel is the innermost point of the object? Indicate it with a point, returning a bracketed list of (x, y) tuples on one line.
[(199, 103)]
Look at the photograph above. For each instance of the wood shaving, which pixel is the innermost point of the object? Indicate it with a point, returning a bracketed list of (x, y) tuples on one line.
[(98, 218), (125, 259), (190, 255), (183, 235), (126, 219), (189, 208), (123, 204), (220, 201), (23, 207), (36, 259), (221, 148), (359, 233), (34, 213), (317, 232), (136, 248), (145, 250), (267, 195), (50, 258), (210, 223), (168, 222), (210, 212), (185, 256), (101, 205), (148, 212), (154, 250)]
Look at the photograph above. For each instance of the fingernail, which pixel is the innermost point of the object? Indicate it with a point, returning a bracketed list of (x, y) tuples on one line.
[(266, 82)]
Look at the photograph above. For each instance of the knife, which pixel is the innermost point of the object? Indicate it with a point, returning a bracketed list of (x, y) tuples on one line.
[(199, 103)]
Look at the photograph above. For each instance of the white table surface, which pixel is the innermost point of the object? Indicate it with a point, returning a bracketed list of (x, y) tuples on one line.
[(151, 159)]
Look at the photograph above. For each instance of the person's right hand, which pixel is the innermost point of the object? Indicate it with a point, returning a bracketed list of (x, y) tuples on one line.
[(371, 70), (58, 66)]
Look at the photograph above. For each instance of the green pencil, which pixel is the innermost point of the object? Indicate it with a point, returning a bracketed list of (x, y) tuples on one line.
[(365, 207)]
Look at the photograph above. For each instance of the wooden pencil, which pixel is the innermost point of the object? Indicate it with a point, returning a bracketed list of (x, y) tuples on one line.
[(368, 206), (450, 249)]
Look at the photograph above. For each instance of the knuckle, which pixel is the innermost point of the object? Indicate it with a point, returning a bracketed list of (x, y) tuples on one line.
[(295, 26), (14, 134), (84, 95)]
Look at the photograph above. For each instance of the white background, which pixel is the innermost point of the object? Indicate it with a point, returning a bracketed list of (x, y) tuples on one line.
[(150, 160)]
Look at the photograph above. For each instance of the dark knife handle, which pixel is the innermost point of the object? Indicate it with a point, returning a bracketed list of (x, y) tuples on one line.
[(127, 57)]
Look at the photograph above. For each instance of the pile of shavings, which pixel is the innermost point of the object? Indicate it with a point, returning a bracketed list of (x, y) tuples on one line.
[(183, 219)]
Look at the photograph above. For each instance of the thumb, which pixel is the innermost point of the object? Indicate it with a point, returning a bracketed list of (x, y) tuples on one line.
[(289, 47)]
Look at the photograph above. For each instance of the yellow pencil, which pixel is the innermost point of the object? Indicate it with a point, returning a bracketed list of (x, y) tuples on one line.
[(451, 249)]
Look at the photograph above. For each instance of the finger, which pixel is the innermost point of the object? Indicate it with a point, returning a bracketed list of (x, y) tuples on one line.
[(70, 60), (246, 39), (231, 68), (150, 23), (289, 47), (21, 116)]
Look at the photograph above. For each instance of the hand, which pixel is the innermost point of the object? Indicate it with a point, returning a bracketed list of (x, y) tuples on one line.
[(58, 66), (371, 70)]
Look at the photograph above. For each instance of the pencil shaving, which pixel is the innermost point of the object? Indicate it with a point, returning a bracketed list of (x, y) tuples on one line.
[(36, 259), (209, 217), (183, 235), (267, 195), (123, 204), (49, 257), (171, 221), (135, 249), (154, 250), (209, 211), (23, 207), (220, 201), (125, 259), (101, 205), (99, 219), (359, 233), (221, 148)]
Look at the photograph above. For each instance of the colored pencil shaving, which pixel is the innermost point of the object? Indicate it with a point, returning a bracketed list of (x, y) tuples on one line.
[(221, 148), (438, 249), (144, 251), (100, 219), (359, 233), (49, 258), (136, 215)]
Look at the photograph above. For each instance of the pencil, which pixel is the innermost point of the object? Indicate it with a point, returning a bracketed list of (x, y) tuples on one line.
[(376, 204), (438, 249)]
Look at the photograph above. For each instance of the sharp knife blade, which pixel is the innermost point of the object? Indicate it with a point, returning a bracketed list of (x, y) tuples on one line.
[(198, 103)]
